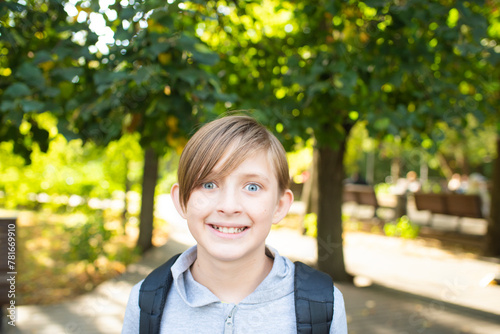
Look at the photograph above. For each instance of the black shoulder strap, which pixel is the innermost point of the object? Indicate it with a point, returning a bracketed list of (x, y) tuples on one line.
[(153, 295), (313, 300)]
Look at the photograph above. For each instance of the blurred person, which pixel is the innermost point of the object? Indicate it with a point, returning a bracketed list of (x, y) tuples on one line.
[(413, 184), (410, 184), (478, 185), (454, 182), (464, 184)]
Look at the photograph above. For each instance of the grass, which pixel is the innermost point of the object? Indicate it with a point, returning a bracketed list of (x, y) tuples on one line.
[(57, 261)]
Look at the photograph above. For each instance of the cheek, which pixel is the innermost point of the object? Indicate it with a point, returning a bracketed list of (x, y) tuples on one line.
[(198, 202), (262, 208)]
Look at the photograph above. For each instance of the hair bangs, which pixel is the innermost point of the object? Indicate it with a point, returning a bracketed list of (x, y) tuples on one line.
[(234, 139)]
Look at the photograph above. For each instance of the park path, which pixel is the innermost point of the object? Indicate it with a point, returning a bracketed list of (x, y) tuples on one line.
[(409, 287)]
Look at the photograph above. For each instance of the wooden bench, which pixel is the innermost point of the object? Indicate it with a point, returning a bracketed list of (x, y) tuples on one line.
[(458, 205), (362, 195)]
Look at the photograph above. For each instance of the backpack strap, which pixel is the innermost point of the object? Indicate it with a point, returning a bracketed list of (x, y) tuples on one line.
[(153, 295), (313, 300)]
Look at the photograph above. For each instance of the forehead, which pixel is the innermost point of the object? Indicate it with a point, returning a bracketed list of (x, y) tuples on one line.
[(260, 159), (258, 163)]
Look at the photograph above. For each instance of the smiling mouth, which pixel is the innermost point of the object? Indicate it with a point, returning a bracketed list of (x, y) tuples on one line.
[(229, 230)]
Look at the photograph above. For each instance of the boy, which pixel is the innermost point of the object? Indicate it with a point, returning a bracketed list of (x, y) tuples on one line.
[(232, 186)]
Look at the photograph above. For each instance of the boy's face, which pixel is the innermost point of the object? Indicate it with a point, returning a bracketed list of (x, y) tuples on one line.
[(231, 217)]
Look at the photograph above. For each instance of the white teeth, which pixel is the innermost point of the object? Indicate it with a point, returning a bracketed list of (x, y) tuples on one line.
[(229, 230)]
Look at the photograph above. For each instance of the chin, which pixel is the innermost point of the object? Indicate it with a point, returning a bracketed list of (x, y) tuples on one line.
[(226, 256), (231, 253)]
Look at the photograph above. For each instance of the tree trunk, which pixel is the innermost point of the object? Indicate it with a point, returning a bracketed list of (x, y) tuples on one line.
[(330, 184), (445, 167), (493, 234), (149, 179), (125, 201), (370, 168), (395, 169), (424, 171), (310, 191)]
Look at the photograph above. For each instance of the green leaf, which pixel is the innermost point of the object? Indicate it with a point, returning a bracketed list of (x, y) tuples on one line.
[(51, 92), (66, 88), (105, 79), (8, 105), (186, 43), (63, 128), (127, 13), (14, 7), (204, 55), (152, 107), (92, 38), (32, 106), (62, 52), (67, 73), (41, 57), (156, 49), (122, 34), (16, 90), (142, 75), (382, 124), (15, 116), (163, 18), (190, 75), (31, 74)]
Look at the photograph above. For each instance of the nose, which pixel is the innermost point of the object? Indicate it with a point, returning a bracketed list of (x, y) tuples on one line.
[(228, 201)]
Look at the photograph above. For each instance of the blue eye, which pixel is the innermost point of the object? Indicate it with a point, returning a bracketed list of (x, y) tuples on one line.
[(209, 185), (252, 187)]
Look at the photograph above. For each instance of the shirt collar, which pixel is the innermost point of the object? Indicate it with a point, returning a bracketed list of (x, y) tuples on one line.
[(277, 284)]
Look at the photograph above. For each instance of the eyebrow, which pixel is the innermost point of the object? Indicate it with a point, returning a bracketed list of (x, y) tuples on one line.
[(213, 176), (255, 175)]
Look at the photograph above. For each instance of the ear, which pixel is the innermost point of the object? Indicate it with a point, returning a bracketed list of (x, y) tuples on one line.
[(175, 194), (283, 206)]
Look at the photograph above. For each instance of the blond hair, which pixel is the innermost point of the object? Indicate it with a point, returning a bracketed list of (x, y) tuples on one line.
[(244, 136)]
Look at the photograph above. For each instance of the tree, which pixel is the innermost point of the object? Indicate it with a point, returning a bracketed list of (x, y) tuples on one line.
[(143, 71), (310, 69), (437, 65), (397, 66), (153, 81), (275, 67), (493, 233), (39, 68)]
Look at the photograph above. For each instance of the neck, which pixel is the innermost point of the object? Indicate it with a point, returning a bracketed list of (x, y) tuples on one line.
[(231, 281)]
